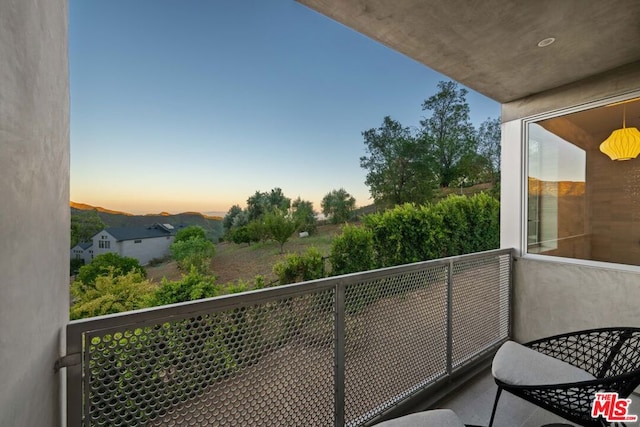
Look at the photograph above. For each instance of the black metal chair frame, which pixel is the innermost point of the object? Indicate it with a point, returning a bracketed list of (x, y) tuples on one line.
[(612, 355)]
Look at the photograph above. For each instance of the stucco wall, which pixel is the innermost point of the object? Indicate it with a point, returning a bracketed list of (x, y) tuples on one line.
[(147, 249), (34, 212), (556, 297)]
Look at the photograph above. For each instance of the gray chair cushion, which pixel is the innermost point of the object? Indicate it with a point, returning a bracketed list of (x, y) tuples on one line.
[(516, 364), (434, 418)]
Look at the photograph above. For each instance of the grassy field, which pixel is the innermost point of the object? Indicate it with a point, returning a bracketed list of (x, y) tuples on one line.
[(232, 262)]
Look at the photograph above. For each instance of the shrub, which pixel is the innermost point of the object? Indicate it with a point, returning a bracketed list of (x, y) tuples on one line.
[(191, 232), (408, 233), (352, 251), (239, 235), (257, 231), (298, 268), (470, 224), (110, 294), (259, 282), (405, 234), (192, 286), (108, 264), (236, 287), (194, 252), (75, 264)]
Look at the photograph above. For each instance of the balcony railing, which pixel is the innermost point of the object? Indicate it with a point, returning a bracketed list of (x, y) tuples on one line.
[(337, 351)]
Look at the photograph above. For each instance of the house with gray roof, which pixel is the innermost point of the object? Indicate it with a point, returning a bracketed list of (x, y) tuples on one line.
[(83, 251), (142, 243)]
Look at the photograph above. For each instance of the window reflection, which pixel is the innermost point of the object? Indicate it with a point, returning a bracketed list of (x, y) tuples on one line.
[(556, 201), (580, 204)]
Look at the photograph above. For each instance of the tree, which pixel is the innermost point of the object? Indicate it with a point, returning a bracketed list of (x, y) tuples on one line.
[(241, 219), (257, 205), (338, 205), (261, 203), (107, 264), (195, 252), (304, 215), (191, 232), (448, 132), (85, 225), (227, 221), (398, 165), (111, 293), (277, 200), (279, 226), (489, 146)]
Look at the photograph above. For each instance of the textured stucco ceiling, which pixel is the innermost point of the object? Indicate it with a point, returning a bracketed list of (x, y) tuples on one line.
[(491, 45)]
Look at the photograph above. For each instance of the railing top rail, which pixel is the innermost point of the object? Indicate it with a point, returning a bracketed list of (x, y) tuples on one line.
[(195, 308)]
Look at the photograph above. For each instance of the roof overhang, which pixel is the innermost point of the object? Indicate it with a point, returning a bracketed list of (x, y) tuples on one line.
[(491, 46)]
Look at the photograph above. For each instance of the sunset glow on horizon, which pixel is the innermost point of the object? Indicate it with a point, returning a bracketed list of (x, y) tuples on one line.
[(195, 106)]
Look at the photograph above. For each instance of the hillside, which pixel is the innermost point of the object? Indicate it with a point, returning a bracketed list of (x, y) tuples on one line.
[(212, 225)]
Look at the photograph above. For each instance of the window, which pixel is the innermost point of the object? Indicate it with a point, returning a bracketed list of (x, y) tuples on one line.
[(104, 244), (580, 203), (137, 241)]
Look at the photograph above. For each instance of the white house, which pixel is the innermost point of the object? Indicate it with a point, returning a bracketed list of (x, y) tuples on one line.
[(142, 243), (84, 251)]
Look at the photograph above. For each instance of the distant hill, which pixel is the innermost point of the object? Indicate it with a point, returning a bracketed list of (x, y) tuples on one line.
[(211, 224), (85, 207)]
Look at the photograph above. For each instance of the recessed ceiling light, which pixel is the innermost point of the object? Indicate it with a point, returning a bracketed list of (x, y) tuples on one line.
[(546, 42)]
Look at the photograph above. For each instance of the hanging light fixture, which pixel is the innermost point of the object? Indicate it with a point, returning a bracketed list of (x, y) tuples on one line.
[(622, 144)]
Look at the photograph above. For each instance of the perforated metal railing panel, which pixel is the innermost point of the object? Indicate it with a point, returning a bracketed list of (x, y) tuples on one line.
[(395, 339), (480, 305), (267, 364), (336, 351)]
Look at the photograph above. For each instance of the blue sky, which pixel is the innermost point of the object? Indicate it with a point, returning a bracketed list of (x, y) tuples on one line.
[(194, 105)]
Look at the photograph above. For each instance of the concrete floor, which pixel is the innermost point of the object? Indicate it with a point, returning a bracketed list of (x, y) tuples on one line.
[(473, 404)]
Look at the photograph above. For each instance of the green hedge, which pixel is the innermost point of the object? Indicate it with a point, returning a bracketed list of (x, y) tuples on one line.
[(408, 233), (352, 251), (470, 224)]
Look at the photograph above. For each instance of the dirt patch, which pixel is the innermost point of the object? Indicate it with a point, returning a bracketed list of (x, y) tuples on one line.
[(232, 262), (168, 269), (243, 262)]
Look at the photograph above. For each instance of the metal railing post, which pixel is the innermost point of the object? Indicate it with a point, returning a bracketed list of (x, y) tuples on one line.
[(339, 356), (511, 296), (75, 398), (450, 318)]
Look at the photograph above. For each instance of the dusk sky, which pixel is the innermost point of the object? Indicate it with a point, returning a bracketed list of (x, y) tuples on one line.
[(194, 105)]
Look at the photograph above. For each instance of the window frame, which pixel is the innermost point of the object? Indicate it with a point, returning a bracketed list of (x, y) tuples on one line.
[(524, 176)]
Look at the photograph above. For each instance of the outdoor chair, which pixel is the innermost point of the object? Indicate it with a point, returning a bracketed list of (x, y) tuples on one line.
[(563, 373)]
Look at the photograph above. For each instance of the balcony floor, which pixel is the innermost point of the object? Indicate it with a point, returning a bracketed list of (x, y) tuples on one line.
[(474, 401)]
